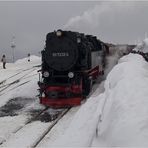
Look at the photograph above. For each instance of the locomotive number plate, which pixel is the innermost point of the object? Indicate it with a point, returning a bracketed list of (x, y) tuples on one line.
[(60, 54)]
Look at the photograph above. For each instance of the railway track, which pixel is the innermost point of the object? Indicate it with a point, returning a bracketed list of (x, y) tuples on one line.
[(31, 120), (27, 81), (27, 122), (4, 87), (22, 71), (54, 118), (37, 142)]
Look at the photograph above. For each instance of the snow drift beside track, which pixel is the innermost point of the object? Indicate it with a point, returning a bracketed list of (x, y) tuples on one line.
[(125, 114), (125, 117), (143, 46)]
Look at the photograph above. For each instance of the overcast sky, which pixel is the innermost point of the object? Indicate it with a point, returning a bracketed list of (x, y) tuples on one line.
[(29, 22)]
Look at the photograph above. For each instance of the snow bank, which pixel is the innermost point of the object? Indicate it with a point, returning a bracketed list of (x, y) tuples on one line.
[(125, 116), (33, 59), (123, 107), (143, 46)]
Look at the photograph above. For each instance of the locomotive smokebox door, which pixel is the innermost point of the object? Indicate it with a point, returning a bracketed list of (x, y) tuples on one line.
[(61, 53)]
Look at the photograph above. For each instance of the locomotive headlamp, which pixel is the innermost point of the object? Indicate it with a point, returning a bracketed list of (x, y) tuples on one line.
[(43, 95), (78, 40), (46, 74), (70, 74), (59, 33)]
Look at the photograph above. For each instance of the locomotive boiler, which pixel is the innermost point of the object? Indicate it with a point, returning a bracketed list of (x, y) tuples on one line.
[(71, 62)]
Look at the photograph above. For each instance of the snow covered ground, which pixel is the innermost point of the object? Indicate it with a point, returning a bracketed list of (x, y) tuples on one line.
[(18, 90), (18, 101), (125, 115), (19, 80), (115, 114), (79, 131), (117, 117)]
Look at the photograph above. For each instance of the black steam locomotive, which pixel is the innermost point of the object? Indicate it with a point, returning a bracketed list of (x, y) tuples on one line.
[(71, 62)]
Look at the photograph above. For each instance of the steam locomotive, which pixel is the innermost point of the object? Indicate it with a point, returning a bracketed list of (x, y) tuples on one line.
[(71, 62)]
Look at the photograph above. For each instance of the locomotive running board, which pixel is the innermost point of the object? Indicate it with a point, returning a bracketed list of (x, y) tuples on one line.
[(59, 103)]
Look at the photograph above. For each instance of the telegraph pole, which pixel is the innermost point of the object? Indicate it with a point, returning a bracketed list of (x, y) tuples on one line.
[(13, 47)]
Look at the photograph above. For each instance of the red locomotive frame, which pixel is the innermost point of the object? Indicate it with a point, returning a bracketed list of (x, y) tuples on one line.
[(76, 90)]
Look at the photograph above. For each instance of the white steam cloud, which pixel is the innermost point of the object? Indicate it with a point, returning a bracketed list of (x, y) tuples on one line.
[(102, 17), (89, 18)]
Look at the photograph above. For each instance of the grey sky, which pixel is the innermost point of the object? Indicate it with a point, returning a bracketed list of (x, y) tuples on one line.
[(29, 22)]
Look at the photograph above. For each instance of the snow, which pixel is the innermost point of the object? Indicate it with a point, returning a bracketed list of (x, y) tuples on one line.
[(82, 126), (30, 89), (9, 125), (59, 129), (27, 135), (25, 90), (23, 71), (143, 46), (117, 117), (114, 115), (18, 66), (33, 59), (124, 118)]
